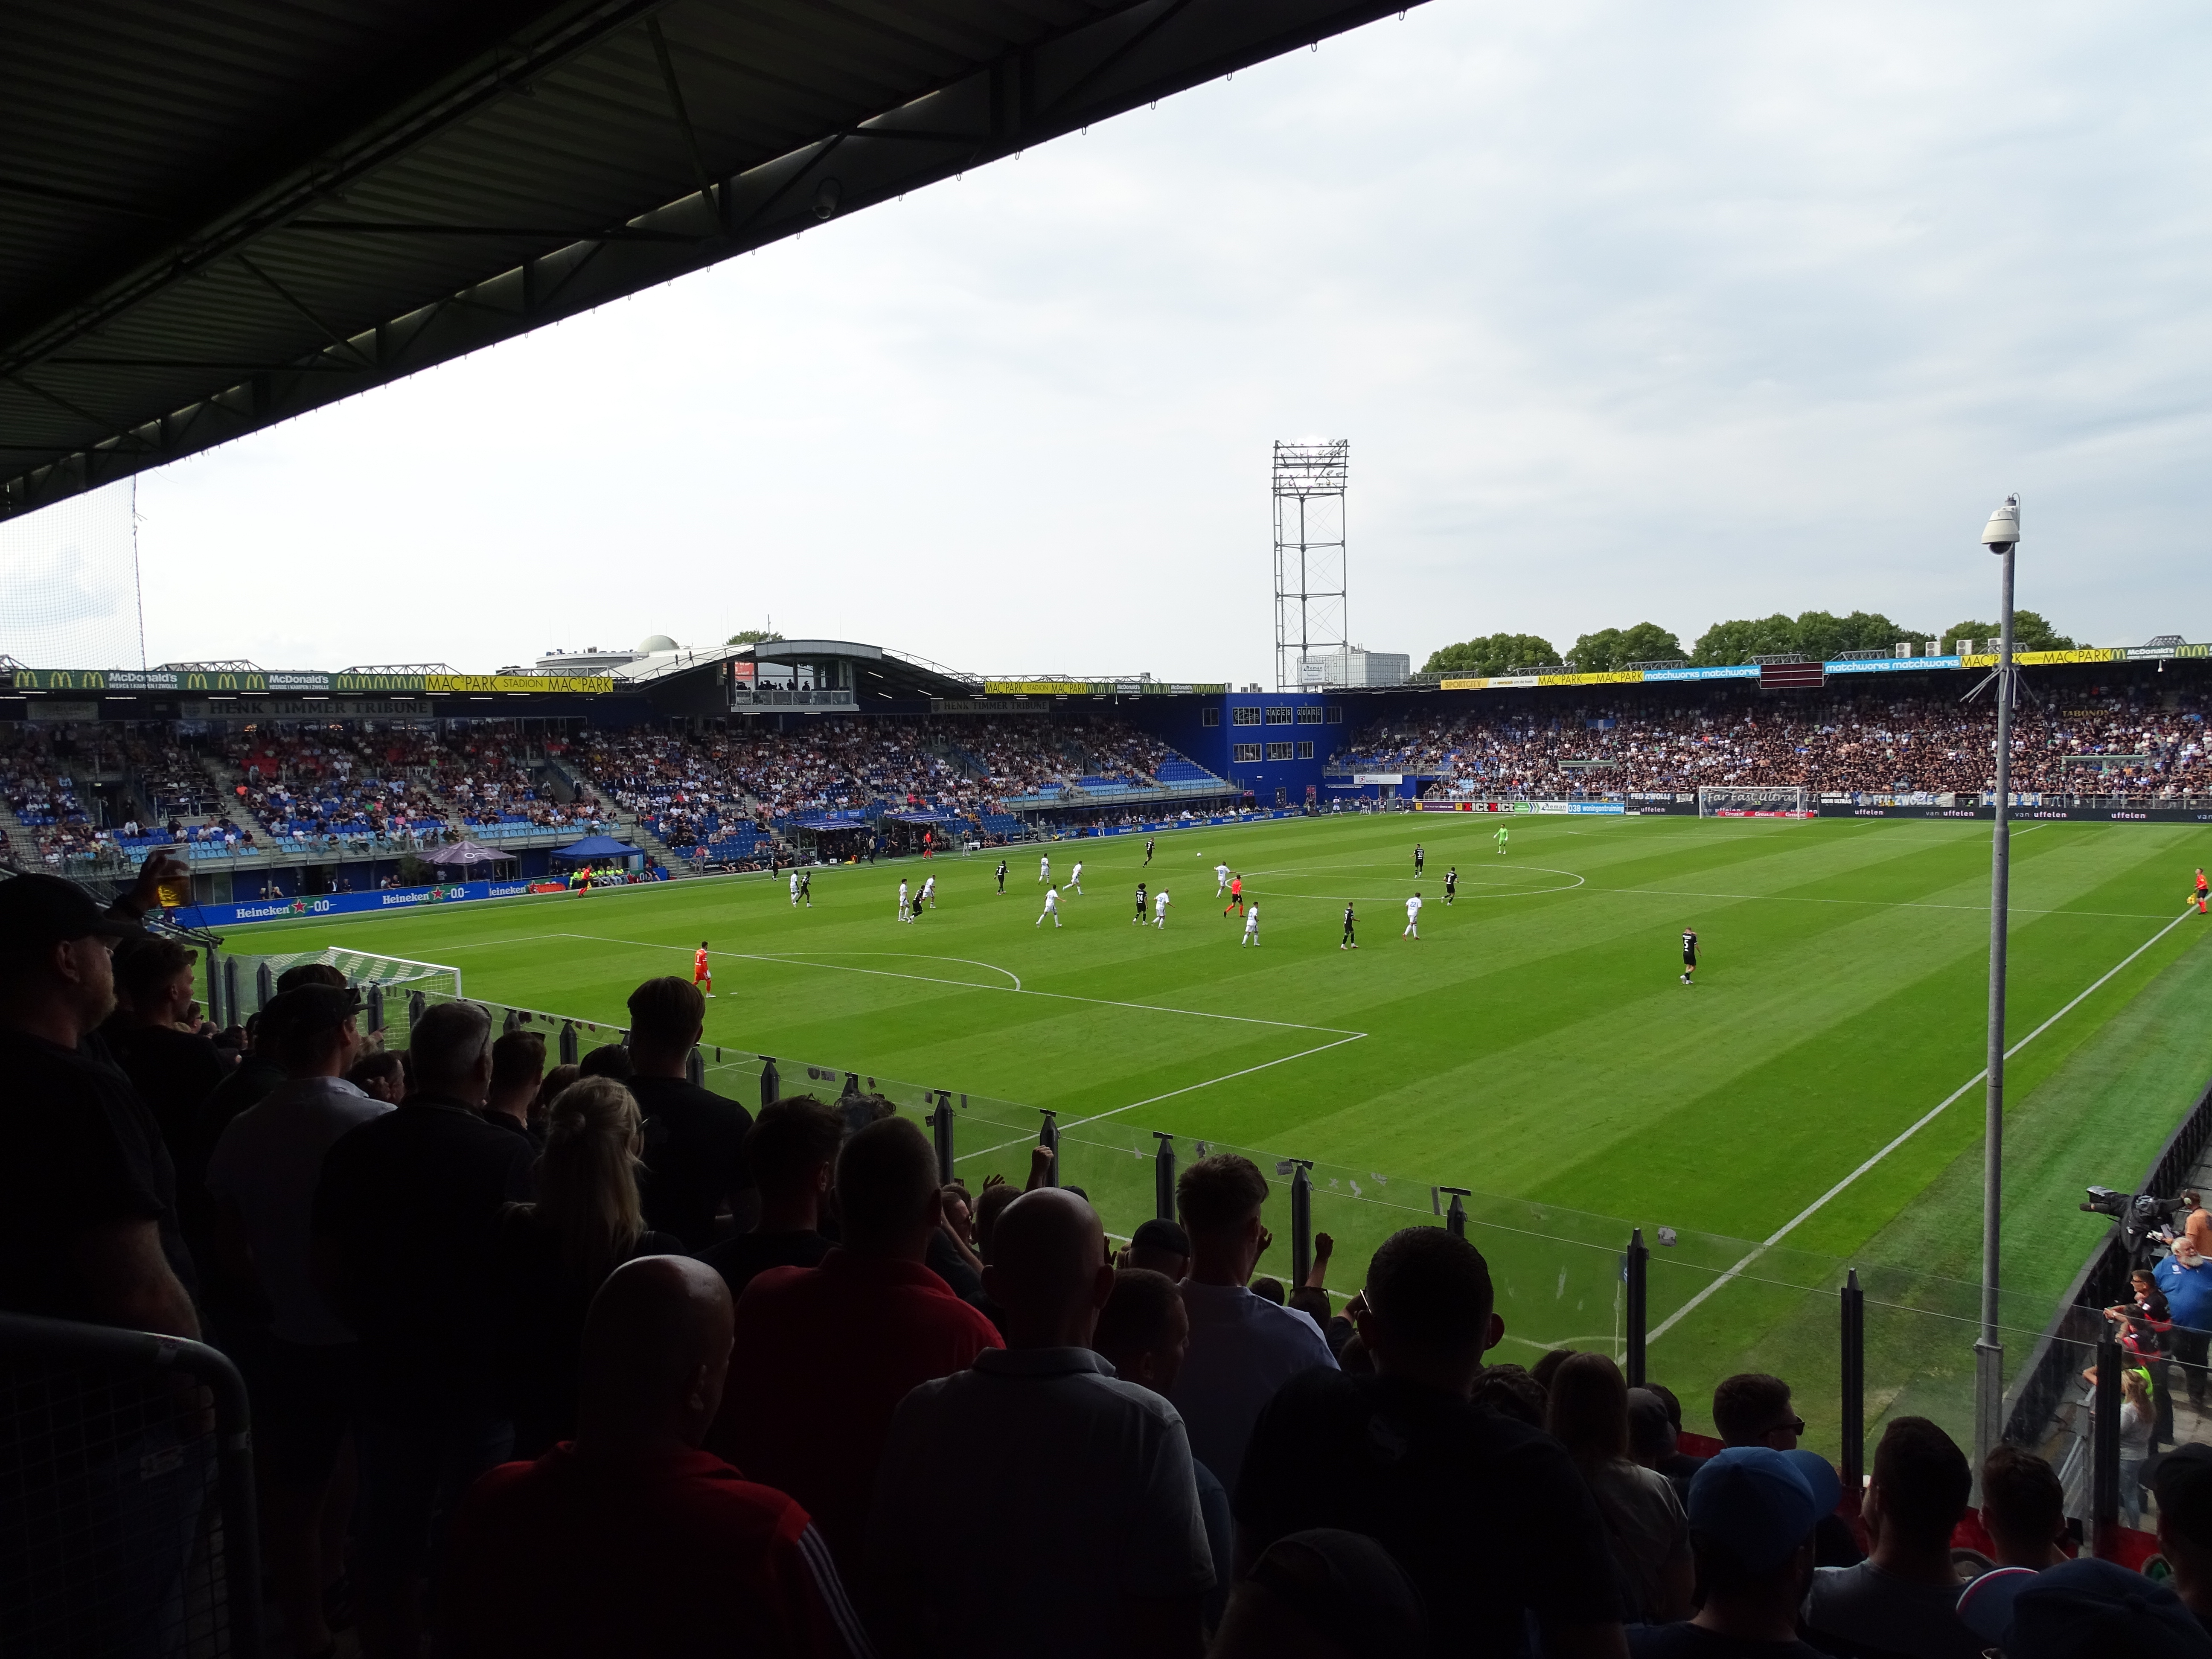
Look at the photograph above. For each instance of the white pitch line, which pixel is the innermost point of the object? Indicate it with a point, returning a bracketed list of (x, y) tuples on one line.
[(1188, 1088), (970, 985), (1821, 1202), (1884, 904)]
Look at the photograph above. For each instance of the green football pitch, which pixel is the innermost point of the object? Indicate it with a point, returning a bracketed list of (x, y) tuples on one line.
[(1783, 1118)]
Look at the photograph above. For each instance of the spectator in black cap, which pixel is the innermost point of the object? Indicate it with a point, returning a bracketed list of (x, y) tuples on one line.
[(1160, 1247), (87, 1192), (1903, 1598), (1324, 1594), (1753, 1513), (2085, 1609), (2183, 1486)]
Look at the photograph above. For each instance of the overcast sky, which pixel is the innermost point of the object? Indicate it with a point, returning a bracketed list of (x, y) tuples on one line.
[(1630, 311)]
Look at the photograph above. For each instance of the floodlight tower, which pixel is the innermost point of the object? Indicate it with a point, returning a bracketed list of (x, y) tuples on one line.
[(1311, 591)]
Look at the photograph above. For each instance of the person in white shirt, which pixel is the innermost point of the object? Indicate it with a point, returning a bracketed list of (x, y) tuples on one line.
[(1251, 928), (1044, 868), (1413, 918), (1075, 876), (1243, 1347), (1160, 909), (262, 1175), (928, 893), (795, 890), (905, 913), (1092, 1542), (1051, 908), (1220, 879)]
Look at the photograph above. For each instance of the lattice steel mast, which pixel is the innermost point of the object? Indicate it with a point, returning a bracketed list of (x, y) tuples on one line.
[(1311, 591)]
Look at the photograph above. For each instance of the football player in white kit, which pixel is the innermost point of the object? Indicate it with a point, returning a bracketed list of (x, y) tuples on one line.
[(1160, 909), (1413, 918), (1075, 876), (1220, 879), (1044, 869), (1251, 928), (1051, 906), (928, 895), (905, 913), (794, 889)]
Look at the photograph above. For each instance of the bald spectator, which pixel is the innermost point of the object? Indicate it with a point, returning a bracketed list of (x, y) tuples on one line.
[(1243, 1347), (632, 1539), (1903, 1598), (825, 1355), (1092, 1542)]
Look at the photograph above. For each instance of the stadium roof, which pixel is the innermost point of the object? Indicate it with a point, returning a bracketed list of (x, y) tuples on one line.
[(223, 215)]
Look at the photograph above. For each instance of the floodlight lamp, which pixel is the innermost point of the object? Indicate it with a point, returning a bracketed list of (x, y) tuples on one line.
[(2003, 527)]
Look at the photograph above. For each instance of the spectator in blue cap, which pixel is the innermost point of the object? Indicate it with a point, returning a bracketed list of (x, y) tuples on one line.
[(1752, 1511), (2084, 1609)]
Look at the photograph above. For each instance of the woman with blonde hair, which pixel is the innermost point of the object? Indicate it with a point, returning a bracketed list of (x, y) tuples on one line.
[(550, 1257)]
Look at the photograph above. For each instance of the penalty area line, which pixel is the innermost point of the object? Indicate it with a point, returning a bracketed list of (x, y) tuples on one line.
[(1188, 1088), (1822, 1202)]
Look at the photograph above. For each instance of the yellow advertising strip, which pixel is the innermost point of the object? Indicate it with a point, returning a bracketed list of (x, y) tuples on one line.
[(1623, 677), (590, 686), (2042, 658), (1037, 688)]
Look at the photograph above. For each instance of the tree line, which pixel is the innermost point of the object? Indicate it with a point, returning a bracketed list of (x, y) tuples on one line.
[(1820, 635)]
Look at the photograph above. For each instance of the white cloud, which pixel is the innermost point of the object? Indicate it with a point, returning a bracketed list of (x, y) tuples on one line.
[(1670, 312)]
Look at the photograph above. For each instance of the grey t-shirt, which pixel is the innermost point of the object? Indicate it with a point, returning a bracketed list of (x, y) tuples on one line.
[(1877, 1609), (1092, 1504)]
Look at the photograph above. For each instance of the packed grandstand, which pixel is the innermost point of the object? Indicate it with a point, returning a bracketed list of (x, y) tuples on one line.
[(740, 794)]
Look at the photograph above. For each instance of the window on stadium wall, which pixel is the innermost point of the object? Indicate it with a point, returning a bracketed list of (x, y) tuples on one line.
[(1209, 717), (1247, 716), (1335, 715), (1308, 714), (1305, 751), (1244, 751), (1279, 714), (1280, 750)]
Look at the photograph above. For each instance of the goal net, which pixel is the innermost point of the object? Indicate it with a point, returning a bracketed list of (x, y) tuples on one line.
[(1772, 800)]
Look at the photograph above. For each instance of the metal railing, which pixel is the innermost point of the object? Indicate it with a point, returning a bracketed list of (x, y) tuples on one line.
[(127, 1522)]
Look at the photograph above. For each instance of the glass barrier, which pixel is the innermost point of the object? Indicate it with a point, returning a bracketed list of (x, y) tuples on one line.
[(1714, 1305)]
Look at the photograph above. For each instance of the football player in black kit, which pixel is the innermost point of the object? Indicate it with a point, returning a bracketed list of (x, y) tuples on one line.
[(1347, 943), (1002, 875), (1148, 849), (1689, 954), (1140, 904), (1451, 883)]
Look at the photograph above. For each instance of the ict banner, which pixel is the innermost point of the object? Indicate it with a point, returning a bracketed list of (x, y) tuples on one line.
[(2023, 814)]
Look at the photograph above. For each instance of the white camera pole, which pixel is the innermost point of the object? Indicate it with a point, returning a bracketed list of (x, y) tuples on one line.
[(2000, 537)]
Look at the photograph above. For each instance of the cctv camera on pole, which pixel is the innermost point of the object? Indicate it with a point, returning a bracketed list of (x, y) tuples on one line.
[(2001, 536)]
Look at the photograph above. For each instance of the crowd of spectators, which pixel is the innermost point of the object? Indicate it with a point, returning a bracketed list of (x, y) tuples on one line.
[(696, 787), (595, 1361), (1842, 743)]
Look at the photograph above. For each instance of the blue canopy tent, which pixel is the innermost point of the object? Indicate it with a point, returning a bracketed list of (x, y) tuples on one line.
[(598, 849)]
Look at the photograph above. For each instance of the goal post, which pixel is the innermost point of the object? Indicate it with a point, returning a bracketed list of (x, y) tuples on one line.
[(1765, 800)]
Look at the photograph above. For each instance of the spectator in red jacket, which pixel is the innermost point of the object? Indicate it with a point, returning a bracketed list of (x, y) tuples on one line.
[(630, 1540), (825, 1355)]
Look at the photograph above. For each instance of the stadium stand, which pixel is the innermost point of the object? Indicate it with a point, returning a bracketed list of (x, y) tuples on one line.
[(1866, 742)]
